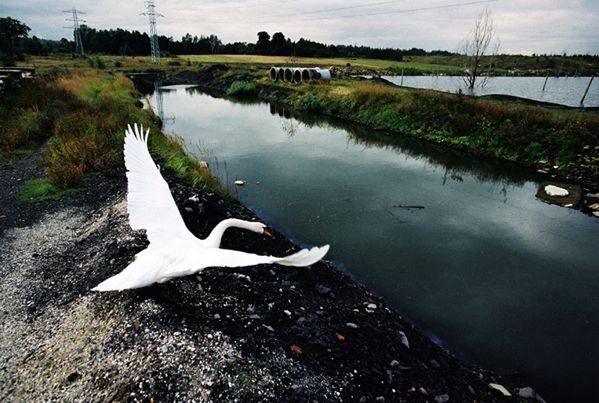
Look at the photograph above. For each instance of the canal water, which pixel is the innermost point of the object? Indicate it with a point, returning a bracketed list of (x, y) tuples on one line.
[(559, 90), (457, 244)]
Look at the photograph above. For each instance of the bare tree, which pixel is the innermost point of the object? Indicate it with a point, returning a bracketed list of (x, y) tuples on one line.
[(481, 42)]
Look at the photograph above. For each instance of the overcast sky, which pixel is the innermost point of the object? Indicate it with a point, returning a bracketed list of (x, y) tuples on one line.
[(523, 26)]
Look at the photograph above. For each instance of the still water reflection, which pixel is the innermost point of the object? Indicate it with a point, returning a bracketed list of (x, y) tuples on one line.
[(498, 277), (558, 90)]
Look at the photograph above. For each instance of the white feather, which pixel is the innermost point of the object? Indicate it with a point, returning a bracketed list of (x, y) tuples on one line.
[(174, 251)]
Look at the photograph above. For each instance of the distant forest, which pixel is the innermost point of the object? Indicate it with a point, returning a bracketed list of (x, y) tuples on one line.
[(15, 41)]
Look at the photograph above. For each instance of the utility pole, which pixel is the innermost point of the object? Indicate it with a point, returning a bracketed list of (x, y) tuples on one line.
[(76, 29), (152, 14)]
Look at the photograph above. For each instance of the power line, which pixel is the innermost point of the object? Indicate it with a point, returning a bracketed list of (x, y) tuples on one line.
[(267, 3), (411, 10), (152, 14), (326, 10), (76, 29)]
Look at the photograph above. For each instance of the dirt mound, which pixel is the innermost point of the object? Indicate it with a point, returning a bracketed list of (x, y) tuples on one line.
[(193, 77)]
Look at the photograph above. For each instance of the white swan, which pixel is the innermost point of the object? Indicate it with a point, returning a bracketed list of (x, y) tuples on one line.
[(174, 251)]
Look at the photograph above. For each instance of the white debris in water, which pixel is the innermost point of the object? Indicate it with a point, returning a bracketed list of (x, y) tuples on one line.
[(552, 190), (239, 182)]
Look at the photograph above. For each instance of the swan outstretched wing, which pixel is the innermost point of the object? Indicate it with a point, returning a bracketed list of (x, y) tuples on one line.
[(216, 257), (150, 267), (149, 200)]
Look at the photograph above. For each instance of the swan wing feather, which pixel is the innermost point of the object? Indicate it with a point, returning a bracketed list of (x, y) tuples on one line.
[(149, 201)]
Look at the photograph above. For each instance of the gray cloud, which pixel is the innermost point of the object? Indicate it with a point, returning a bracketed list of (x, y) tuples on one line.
[(534, 26)]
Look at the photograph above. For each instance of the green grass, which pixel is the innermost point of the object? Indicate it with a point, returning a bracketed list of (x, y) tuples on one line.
[(526, 134), (242, 88), (84, 116), (42, 189)]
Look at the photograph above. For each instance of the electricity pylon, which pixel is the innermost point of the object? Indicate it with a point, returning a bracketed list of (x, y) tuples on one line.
[(76, 29), (152, 14)]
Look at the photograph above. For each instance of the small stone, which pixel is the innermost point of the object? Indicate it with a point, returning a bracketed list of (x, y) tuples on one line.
[(269, 328), (594, 206), (351, 325), (323, 290), (596, 213), (530, 393), (435, 363), (556, 191), (501, 389), (73, 377), (394, 363), (286, 312), (216, 316), (404, 339), (380, 399), (441, 398), (188, 210), (371, 306), (423, 391), (136, 324)]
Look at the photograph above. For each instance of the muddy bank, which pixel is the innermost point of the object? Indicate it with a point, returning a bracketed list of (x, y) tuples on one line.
[(264, 333)]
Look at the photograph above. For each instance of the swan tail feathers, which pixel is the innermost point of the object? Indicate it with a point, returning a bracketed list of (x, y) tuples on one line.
[(304, 257)]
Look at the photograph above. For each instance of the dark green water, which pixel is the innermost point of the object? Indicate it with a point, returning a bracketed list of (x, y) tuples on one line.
[(498, 277)]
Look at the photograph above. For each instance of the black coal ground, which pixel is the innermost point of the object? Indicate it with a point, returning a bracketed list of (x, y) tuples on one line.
[(264, 333)]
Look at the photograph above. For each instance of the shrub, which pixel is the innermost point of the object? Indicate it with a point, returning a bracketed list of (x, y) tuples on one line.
[(242, 88), (311, 103), (373, 94)]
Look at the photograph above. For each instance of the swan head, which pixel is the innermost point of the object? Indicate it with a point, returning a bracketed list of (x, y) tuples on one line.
[(259, 227)]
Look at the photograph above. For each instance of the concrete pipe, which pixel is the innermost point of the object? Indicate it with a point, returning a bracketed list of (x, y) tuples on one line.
[(325, 74), (288, 75), (274, 72), (306, 75), (297, 75), (314, 74), (280, 74)]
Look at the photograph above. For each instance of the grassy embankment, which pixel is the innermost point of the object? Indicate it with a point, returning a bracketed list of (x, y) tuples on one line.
[(503, 64), (558, 139), (117, 63), (82, 116)]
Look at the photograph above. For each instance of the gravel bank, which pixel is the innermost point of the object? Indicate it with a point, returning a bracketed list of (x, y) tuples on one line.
[(264, 333)]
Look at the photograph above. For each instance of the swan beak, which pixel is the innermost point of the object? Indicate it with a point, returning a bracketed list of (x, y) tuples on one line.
[(265, 232)]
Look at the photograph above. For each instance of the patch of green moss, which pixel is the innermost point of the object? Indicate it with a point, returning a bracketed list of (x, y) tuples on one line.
[(42, 189)]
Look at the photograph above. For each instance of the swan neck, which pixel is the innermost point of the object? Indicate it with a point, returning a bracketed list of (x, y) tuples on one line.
[(216, 235)]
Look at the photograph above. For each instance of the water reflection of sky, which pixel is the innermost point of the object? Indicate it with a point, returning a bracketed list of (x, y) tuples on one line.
[(559, 90), (498, 276)]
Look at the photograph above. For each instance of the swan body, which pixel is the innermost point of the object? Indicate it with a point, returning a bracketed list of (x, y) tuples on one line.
[(174, 251)]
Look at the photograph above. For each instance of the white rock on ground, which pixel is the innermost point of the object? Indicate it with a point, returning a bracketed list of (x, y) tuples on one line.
[(552, 190)]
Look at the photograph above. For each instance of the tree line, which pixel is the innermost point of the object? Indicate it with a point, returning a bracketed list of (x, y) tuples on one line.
[(15, 41)]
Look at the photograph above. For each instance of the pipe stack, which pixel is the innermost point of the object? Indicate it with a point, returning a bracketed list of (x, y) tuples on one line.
[(298, 75)]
